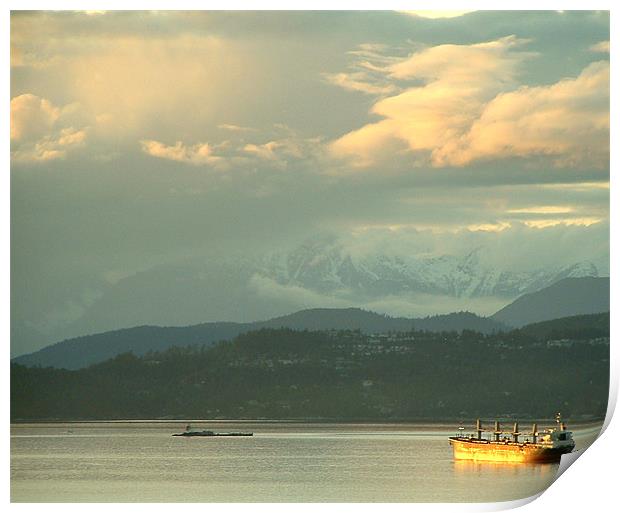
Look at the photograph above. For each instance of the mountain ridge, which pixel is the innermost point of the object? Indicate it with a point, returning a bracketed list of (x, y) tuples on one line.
[(568, 297), (571, 296), (279, 373), (85, 350), (325, 272)]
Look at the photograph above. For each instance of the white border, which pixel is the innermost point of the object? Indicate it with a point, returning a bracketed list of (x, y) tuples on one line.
[(590, 484)]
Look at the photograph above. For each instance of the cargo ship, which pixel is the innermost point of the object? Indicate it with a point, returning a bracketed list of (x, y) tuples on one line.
[(545, 446)]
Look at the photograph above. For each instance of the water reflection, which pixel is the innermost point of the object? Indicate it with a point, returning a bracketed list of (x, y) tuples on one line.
[(504, 468), (291, 462)]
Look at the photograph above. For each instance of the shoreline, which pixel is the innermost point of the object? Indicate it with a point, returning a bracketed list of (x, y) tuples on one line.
[(419, 420)]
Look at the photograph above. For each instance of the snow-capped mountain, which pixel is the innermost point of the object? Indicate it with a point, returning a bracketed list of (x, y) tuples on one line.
[(316, 274), (329, 267)]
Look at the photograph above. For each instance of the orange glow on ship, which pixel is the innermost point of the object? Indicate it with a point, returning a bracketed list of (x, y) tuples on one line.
[(545, 446)]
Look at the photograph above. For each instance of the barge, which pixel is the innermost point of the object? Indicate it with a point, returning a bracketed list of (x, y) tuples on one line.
[(191, 432)]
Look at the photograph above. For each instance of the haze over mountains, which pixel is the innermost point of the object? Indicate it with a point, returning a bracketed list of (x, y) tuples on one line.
[(568, 297), (319, 273)]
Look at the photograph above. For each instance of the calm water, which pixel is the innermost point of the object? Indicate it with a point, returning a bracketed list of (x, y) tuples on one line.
[(282, 462)]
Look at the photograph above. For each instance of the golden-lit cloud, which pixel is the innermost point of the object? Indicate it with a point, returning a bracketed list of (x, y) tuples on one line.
[(479, 66), (457, 82), (197, 154), (359, 81), (31, 117), (600, 47), (267, 151), (573, 221), (128, 81), (284, 149), (568, 120), (444, 105), (41, 131), (437, 14), (489, 227), (276, 154), (50, 147), (470, 106), (576, 186), (235, 128), (367, 73), (541, 210)]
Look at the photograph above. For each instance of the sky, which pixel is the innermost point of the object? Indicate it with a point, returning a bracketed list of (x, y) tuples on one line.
[(143, 139)]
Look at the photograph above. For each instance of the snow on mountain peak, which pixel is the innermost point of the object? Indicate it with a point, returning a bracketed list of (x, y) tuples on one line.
[(325, 266)]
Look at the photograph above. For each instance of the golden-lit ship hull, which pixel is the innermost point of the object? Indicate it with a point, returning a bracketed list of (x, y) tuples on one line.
[(485, 450)]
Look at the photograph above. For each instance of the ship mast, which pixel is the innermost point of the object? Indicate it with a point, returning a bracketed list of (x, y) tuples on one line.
[(515, 433), (558, 419), (498, 431)]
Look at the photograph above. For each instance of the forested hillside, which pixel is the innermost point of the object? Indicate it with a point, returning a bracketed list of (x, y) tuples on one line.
[(281, 373)]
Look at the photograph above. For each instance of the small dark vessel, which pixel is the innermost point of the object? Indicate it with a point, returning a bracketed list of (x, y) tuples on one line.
[(190, 432)]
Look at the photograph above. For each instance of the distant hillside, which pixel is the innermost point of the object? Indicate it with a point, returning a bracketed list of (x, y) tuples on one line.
[(83, 351), (338, 319), (576, 327), (371, 322), (293, 374), (567, 297), (80, 352)]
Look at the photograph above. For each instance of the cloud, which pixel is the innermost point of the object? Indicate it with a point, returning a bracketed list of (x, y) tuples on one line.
[(128, 79), (572, 221), (368, 71), (600, 47), (489, 227), (416, 305), (51, 147), (293, 294), (433, 15), (546, 209), (267, 151), (535, 243), (455, 82), (284, 151), (31, 117), (197, 154), (235, 128), (359, 81), (468, 106), (577, 186), (41, 132), (140, 75), (568, 120), (373, 143), (480, 66), (280, 153)]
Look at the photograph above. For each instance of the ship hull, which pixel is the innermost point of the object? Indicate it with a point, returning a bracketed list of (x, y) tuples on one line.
[(483, 450)]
